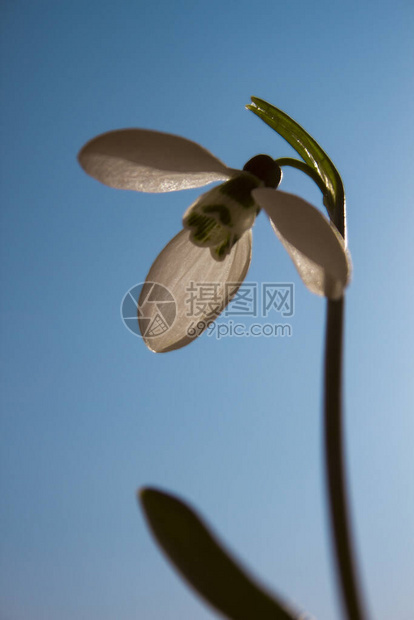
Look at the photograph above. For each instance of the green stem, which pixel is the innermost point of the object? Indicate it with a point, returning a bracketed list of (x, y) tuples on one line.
[(334, 455), (335, 209), (334, 444), (304, 167)]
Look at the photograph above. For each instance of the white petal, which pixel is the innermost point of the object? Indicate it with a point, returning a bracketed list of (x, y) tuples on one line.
[(314, 245), (150, 161), (182, 265)]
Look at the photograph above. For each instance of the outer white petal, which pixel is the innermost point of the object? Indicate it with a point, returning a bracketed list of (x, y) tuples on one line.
[(314, 245), (182, 263), (150, 161)]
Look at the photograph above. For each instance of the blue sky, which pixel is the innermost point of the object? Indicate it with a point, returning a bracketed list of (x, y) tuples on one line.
[(89, 414)]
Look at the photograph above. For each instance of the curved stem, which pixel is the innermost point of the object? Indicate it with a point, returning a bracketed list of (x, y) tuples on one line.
[(336, 210), (334, 455), (304, 167)]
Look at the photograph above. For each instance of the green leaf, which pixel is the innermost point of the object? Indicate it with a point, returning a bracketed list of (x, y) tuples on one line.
[(307, 148), (200, 559)]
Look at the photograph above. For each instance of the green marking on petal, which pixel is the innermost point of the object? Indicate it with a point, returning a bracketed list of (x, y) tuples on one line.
[(220, 251), (240, 188), (201, 226), (221, 216), (221, 211)]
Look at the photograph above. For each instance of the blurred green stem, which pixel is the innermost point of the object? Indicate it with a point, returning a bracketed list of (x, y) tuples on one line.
[(334, 455)]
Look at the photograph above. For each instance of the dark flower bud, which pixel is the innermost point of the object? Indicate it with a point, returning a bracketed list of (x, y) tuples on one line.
[(264, 168)]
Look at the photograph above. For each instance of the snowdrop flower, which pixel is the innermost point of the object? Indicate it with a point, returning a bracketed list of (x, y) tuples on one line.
[(216, 243)]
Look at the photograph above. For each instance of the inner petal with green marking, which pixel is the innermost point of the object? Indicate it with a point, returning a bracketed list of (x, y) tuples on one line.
[(219, 218)]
